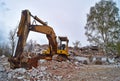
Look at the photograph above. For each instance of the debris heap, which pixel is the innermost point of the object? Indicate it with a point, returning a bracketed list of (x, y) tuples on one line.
[(59, 71)]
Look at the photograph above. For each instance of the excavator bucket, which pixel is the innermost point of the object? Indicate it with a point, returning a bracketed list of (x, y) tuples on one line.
[(27, 63), (14, 63)]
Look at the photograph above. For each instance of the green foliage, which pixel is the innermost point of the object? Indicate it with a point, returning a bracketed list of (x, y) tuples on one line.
[(118, 48), (103, 24), (0, 52)]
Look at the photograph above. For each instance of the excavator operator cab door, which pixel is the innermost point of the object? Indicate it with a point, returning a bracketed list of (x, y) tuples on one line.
[(63, 46)]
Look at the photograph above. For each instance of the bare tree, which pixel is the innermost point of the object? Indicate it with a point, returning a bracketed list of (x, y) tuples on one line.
[(76, 44), (12, 39), (29, 46)]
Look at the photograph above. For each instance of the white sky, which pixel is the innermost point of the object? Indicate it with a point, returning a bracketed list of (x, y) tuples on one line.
[(67, 17)]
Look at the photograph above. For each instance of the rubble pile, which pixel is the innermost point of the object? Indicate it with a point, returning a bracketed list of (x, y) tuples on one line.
[(46, 71), (4, 67), (59, 71)]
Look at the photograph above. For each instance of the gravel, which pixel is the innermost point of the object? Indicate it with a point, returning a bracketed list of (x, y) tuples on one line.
[(59, 71)]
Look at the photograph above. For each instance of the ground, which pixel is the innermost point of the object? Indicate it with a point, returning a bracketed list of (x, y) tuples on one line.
[(97, 73), (60, 71)]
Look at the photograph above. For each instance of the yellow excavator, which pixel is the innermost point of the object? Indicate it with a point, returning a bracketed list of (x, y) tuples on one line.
[(25, 26)]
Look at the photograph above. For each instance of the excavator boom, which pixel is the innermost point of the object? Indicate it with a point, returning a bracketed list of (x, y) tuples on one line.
[(23, 31)]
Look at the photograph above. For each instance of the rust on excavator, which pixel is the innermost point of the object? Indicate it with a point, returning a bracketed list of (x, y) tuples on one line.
[(25, 26)]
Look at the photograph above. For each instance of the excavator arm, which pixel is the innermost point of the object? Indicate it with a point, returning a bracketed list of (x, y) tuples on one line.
[(25, 27), (49, 34)]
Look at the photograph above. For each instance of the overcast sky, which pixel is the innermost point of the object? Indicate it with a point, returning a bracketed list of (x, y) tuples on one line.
[(67, 17)]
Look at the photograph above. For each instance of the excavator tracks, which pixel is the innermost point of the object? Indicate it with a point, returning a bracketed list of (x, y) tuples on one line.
[(62, 57)]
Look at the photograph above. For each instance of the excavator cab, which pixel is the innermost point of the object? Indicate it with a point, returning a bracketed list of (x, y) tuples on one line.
[(63, 46), (62, 50)]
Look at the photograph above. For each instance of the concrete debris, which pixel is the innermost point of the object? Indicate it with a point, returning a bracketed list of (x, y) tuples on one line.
[(59, 71), (2, 68), (20, 70), (2, 56), (81, 59), (21, 77), (41, 61)]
